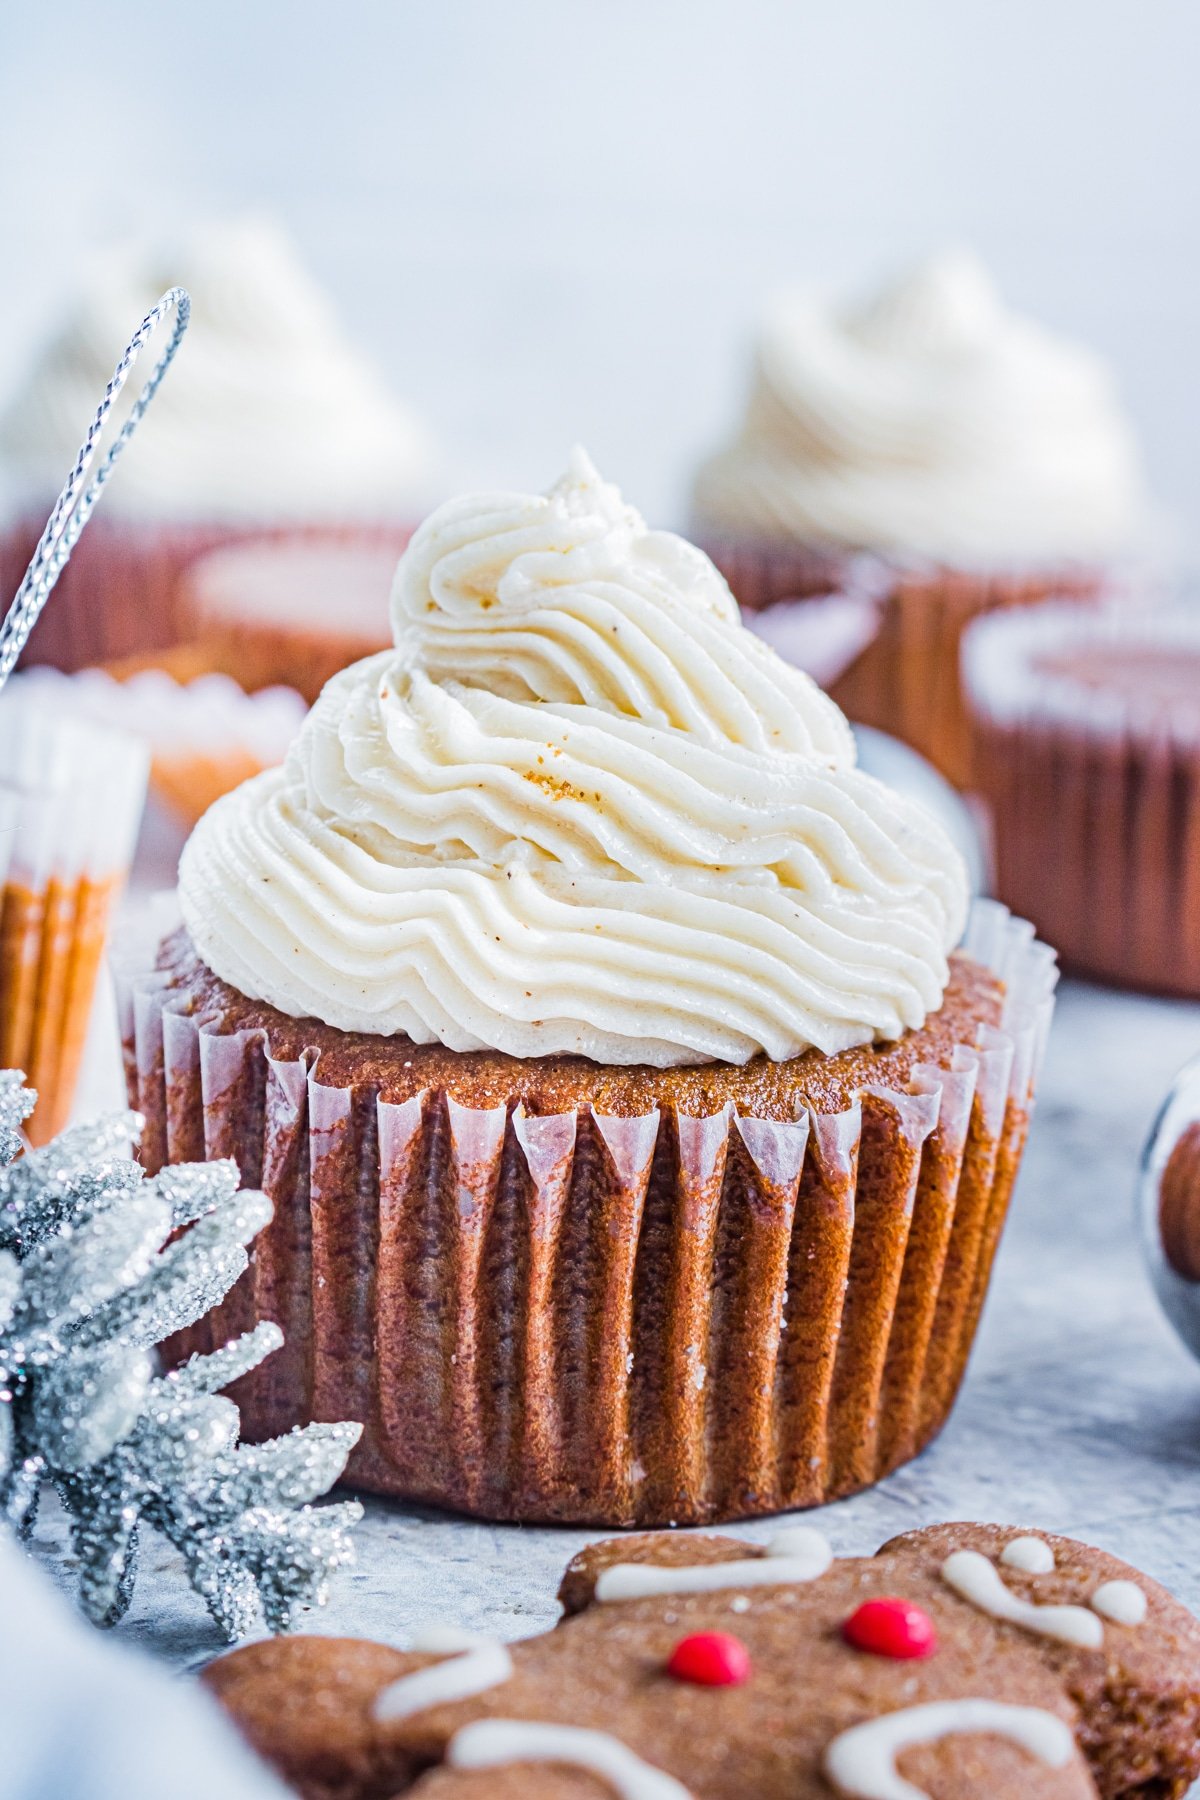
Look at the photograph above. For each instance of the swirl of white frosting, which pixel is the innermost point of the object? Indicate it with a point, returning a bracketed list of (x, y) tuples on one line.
[(268, 413), (578, 808), (930, 421)]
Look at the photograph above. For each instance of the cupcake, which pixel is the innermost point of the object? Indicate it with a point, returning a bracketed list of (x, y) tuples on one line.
[(972, 458), (205, 734), (1087, 728), (286, 612), (71, 797), (270, 422), (638, 1140)]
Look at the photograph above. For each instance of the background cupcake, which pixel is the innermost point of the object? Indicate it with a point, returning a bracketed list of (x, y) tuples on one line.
[(270, 421), (1087, 729), (204, 732), (288, 610), (981, 460), (638, 1150)]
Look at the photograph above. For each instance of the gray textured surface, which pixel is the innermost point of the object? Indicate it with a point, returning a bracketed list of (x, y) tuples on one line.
[(1081, 1412)]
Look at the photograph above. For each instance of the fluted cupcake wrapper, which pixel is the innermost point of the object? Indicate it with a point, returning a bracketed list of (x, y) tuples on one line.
[(611, 1320), (71, 797), (119, 596), (906, 680)]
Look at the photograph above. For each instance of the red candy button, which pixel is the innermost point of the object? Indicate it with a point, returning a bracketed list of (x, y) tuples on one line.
[(710, 1659), (891, 1627)]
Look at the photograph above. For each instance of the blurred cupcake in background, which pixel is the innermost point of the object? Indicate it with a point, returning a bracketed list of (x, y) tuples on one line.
[(824, 637), (279, 610), (934, 451), (271, 422), (71, 796), (204, 733), (1087, 731)]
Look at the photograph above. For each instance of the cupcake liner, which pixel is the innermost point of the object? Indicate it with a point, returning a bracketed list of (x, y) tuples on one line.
[(70, 801), (1093, 801), (121, 594), (118, 596), (906, 679), (598, 1319)]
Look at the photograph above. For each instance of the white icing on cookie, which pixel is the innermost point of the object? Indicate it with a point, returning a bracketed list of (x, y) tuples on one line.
[(977, 1580), (1121, 1601), (482, 1664), (1032, 1554), (490, 1743), (797, 1554), (801, 1541), (862, 1761)]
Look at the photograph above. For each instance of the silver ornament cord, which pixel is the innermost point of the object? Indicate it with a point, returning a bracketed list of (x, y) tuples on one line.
[(74, 505), (98, 1265)]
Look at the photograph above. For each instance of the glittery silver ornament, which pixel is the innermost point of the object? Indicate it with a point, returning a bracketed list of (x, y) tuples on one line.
[(97, 1266)]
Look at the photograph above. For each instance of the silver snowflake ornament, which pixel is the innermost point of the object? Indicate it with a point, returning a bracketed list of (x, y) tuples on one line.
[(98, 1265)]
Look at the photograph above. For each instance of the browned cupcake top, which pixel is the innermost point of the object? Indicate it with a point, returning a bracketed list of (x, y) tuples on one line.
[(325, 588), (400, 1069), (1155, 674), (1116, 672)]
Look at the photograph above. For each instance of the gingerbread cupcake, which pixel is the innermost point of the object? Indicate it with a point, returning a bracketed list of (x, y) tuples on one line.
[(271, 422), (286, 611), (638, 1146), (1088, 760), (977, 460), (205, 734)]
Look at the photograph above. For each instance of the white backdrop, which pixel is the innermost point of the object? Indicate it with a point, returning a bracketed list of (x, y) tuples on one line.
[(552, 221)]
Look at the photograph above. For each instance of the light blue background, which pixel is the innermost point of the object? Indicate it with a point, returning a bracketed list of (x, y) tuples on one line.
[(553, 221)]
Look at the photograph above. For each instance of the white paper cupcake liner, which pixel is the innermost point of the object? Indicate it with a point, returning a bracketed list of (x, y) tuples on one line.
[(205, 735), (605, 1319), (71, 798)]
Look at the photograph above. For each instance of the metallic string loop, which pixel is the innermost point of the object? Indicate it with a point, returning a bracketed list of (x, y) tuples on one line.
[(73, 508)]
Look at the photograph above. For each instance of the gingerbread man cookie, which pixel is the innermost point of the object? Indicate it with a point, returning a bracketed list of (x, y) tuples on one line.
[(306, 1705), (959, 1661)]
